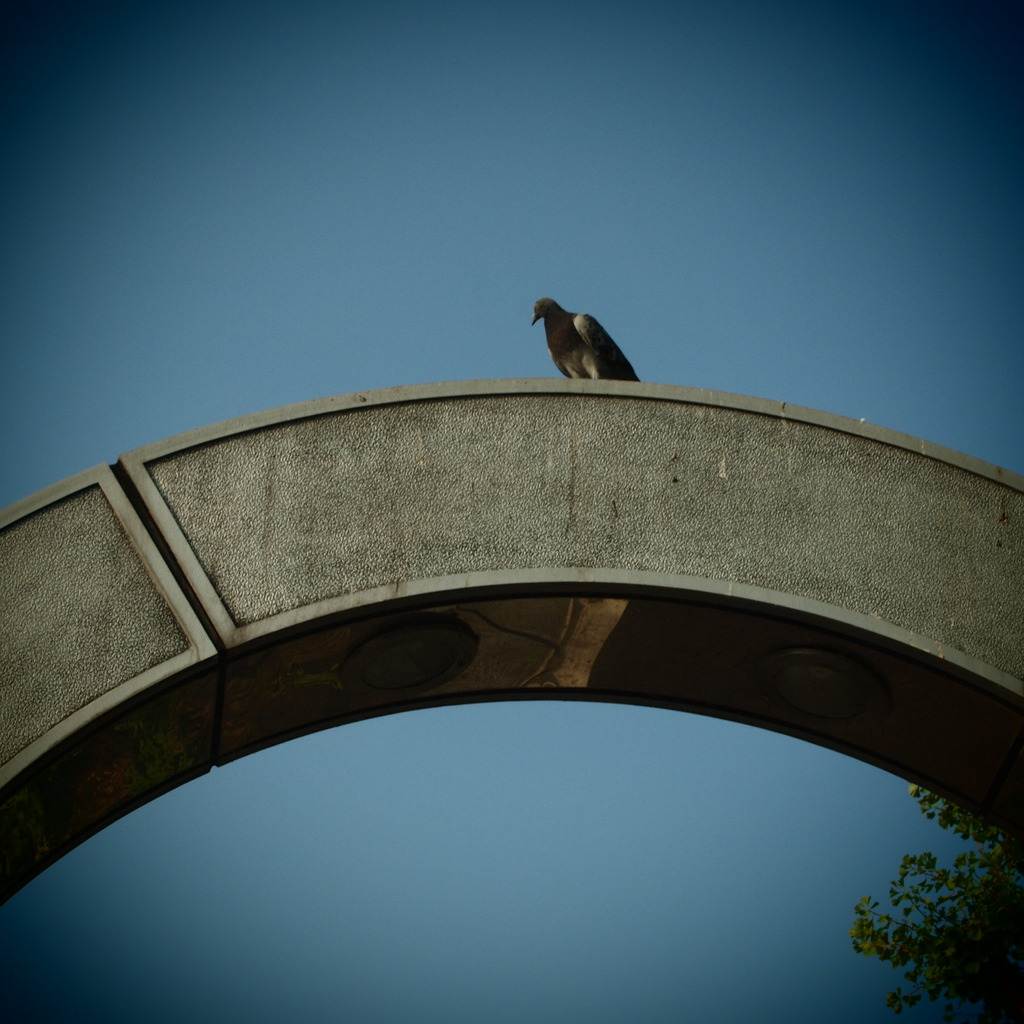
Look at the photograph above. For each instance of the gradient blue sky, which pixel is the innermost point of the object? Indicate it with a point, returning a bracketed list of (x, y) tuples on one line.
[(213, 209)]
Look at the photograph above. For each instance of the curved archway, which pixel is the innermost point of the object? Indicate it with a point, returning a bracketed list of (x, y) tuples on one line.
[(231, 588)]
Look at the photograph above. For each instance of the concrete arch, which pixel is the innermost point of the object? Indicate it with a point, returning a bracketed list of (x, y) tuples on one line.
[(252, 581)]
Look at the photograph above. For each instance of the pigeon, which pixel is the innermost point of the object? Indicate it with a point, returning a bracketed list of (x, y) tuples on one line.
[(579, 345)]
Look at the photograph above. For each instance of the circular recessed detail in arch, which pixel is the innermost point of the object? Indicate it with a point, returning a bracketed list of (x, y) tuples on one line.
[(825, 684), (418, 655)]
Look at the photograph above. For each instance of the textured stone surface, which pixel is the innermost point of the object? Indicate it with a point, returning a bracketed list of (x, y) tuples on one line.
[(78, 615), (332, 505)]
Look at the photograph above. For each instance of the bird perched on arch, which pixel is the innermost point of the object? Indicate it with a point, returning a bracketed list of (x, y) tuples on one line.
[(579, 345)]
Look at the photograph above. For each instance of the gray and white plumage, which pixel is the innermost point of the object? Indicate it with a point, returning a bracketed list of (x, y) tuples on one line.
[(579, 345)]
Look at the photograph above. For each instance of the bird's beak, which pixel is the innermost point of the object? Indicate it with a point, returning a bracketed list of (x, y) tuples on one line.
[(536, 317)]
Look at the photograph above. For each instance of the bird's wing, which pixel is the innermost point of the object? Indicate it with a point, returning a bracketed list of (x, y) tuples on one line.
[(601, 342)]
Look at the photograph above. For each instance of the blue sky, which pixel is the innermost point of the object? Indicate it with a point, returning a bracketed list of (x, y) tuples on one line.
[(213, 209)]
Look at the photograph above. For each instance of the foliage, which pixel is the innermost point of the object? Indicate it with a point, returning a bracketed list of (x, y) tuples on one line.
[(959, 930)]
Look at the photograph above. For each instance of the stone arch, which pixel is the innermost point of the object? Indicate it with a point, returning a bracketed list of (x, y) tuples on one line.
[(252, 581)]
